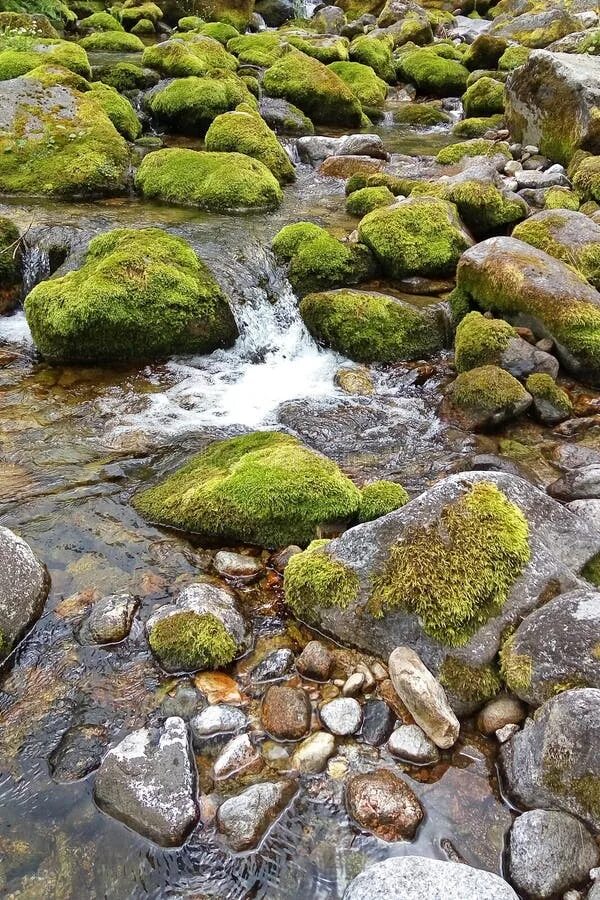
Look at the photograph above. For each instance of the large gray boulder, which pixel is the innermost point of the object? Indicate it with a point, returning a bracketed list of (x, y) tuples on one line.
[(537, 27), (552, 102), (24, 586), (148, 781), (555, 648), (554, 761), (418, 878), (440, 547), (567, 235)]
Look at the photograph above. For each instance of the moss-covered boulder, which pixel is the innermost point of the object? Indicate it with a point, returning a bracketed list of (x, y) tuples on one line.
[(318, 260), (112, 42), (365, 200), (262, 49), (218, 182), (20, 54), (220, 31), (561, 198), (125, 76), (567, 235), (140, 294), (367, 87), (100, 21), (326, 48), (285, 118), (431, 73), (552, 102), (118, 109), (526, 285), (480, 341), (551, 404), (484, 208), (189, 105), (133, 12), (380, 498), (586, 177), (486, 397), (421, 115), (36, 25), (417, 236), (244, 131), (477, 126), (536, 28), (314, 88), (10, 265), (454, 153), (375, 52), (232, 12), (198, 55), (484, 52), (514, 56), (58, 141), (263, 488), (371, 327), (484, 98)]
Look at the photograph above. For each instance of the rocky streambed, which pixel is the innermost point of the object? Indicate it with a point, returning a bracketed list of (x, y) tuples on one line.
[(300, 450)]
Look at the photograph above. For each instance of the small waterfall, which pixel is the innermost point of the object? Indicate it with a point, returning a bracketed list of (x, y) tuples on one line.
[(36, 266)]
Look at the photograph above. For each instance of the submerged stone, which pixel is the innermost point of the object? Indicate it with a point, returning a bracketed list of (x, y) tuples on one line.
[(24, 586), (243, 820), (384, 804)]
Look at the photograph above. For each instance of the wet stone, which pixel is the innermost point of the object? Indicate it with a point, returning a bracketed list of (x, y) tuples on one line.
[(342, 716), (243, 820), (312, 754), (185, 701), (411, 744), (378, 722), (274, 666), (78, 753), (315, 661), (109, 620), (500, 712), (286, 712), (237, 566), (382, 803), (424, 697), (218, 719), (239, 756), (280, 560)]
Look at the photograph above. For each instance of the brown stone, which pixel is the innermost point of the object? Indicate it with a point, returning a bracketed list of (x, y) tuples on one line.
[(382, 803), (286, 712), (315, 661)]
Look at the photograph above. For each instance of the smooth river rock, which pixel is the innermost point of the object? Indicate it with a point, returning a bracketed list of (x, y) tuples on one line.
[(24, 586), (382, 803), (411, 744), (286, 712), (423, 696), (109, 620), (243, 820), (341, 716)]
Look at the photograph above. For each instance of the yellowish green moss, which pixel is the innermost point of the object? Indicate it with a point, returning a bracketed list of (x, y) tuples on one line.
[(471, 684), (186, 642), (380, 498), (480, 341), (515, 668), (313, 580)]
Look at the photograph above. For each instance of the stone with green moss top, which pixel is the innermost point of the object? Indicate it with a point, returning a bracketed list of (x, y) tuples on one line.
[(453, 153), (373, 328), (431, 73), (20, 54), (586, 178), (263, 488), (314, 88), (140, 294), (36, 25), (561, 198), (483, 207), (326, 48), (380, 498), (477, 127), (125, 76), (551, 405), (188, 54), (369, 89), (480, 341), (143, 27), (132, 13), (118, 109), (232, 12), (262, 49), (537, 27), (288, 241), (220, 31), (484, 98), (189, 105), (417, 236), (100, 21), (244, 131), (376, 53), (396, 184), (365, 200), (421, 115), (514, 56), (485, 52), (313, 580), (486, 397), (470, 685), (190, 23), (112, 42)]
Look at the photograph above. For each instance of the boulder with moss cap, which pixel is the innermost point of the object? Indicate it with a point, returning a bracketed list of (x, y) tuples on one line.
[(20, 54), (551, 404), (203, 629), (189, 105), (178, 58), (375, 52), (485, 398), (244, 131), (431, 73), (140, 294), (446, 575), (567, 235), (263, 488), (454, 153), (481, 341), (484, 98), (369, 89), (112, 42)]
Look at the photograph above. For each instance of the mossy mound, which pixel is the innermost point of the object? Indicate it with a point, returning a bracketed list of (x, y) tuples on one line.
[(35, 25), (190, 23), (380, 498), (125, 76), (313, 580), (586, 179), (20, 54), (371, 328), (566, 235), (132, 13), (483, 207), (487, 396), (189, 105), (431, 73), (100, 21), (262, 49), (118, 109), (112, 42), (484, 98), (561, 198), (263, 488), (365, 200), (218, 182), (318, 261), (188, 54), (144, 27), (246, 132), (484, 52), (457, 573), (314, 88), (58, 141), (140, 294), (367, 87), (189, 642), (418, 236), (550, 403), (10, 265), (326, 48), (453, 153), (233, 12), (421, 115), (219, 31), (375, 53), (469, 684), (478, 126), (480, 341), (514, 56)]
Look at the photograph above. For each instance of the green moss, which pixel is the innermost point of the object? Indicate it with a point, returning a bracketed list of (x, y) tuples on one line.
[(314, 88), (140, 294), (544, 387), (431, 73), (50, 76), (189, 105), (291, 237), (220, 182), (484, 52), (480, 341), (484, 98), (367, 87), (20, 54), (131, 13), (453, 153), (263, 488), (190, 23), (112, 42), (471, 684), (380, 498), (118, 109), (456, 573), (561, 198), (421, 115), (545, 234), (143, 26), (220, 31), (363, 201), (591, 570), (262, 49), (34, 25), (188, 54), (232, 12), (419, 236), (460, 305), (370, 327), (394, 183), (483, 207), (100, 21), (313, 580), (122, 76), (246, 132), (486, 73), (586, 179), (325, 48), (320, 261), (487, 389), (513, 57), (376, 53), (186, 642), (516, 669)]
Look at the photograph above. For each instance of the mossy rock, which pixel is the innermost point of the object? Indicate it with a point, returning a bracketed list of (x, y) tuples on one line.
[(189, 105), (484, 98), (487, 397), (125, 76), (536, 28), (453, 153), (218, 182), (567, 235), (478, 126), (376, 53), (36, 25), (365, 200), (285, 118), (318, 260), (467, 684), (112, 42), (484, 52), (586, 179), (143, 27), (58, 141), (417, 236), (140, 294), (480, 341), (244, 131), (20, 54), (370, 327), (431, 73), (421, 115), (314, 88), (326, 48), (514, 56), (484, 208), (380, 498), (131, 14), (551, 404), (180, 57), (561, 198), (263, 488), (118, 109), (232, 12), (100, 21), (190, 23), (188, 642), (263, 49), (10, 265), (367, 87), (219, 31)]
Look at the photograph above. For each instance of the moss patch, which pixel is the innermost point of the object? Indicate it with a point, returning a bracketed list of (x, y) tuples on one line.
[(188, 54), (367, 87), (431, 73), (189, 105), (480, 341), (118, 109), (367, 199), (478, 126), (375, 53), (318, 260), (484, 98), (186, 642), (112, 42), (516, 669), (380, 498), (244, 131), (471, 684), (476, 147), (313, 580)]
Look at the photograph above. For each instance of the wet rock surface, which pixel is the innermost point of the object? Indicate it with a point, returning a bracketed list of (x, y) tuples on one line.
[(244, 819), (24, 586), (286, 712), (384, 804)]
